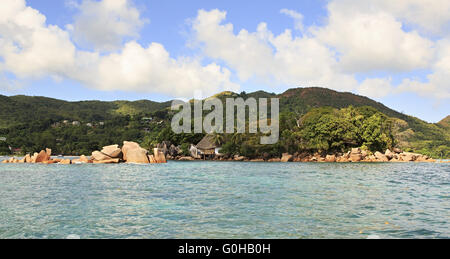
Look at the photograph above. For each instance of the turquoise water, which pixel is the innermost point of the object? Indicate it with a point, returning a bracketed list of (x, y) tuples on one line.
[(225, 200)]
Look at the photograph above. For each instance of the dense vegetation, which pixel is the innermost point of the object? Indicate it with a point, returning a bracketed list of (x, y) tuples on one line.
[(328, 129), (311, 120), (324, 130), (16, 110), (76, 139)]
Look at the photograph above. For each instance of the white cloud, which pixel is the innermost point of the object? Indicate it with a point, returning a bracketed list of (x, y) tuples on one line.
[(298, 18), (260, 55), (370, 39), (437, 85), (104, 24), (244, 52), (370, 36), (357, 39), (431, 16), (29, 48), (376, 87), (151, 69)]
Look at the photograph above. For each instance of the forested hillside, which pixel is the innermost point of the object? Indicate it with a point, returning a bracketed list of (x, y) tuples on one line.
[(19, 109), (312, 120)]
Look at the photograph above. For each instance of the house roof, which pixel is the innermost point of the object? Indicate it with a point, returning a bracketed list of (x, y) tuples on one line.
[(207, 143)]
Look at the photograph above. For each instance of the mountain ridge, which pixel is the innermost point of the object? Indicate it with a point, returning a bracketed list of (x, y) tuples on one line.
[(445, 122), (305, 92), (20, 111), (308, 96)]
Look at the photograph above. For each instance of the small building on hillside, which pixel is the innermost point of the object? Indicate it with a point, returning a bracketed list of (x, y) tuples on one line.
[(207, 147), (16, 151), (195, 153), (3, 139)]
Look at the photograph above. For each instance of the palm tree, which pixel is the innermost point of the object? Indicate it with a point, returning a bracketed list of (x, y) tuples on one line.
[(217, 138), (237, 138)]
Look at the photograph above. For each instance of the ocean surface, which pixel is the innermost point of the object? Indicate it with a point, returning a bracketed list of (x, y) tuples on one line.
[(225, 200)]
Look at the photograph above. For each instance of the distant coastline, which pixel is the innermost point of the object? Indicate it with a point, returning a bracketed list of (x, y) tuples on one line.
[(132, 153), (312, 121)]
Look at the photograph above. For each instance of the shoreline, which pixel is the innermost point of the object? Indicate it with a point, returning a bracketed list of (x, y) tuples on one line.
[(257, 161), (356, 155), (132, 153), (58, 162)]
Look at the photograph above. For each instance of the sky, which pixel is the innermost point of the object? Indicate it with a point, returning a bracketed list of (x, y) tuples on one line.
[(396, 52)]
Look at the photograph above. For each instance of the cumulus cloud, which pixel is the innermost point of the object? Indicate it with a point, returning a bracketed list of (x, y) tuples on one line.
[(430, 16), (105, 24), (281, 59), (370, 36), (437, 84), (356, 39), (376, 87), (427, 16), (298, 18), (372, 40), (29, 48), (152, 69)]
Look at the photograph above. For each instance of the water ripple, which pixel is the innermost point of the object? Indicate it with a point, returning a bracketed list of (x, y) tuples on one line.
[(225, 200)]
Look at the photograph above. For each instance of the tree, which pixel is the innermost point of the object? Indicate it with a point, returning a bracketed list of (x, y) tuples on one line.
[(4, 148), (328, 129), (218, 138)]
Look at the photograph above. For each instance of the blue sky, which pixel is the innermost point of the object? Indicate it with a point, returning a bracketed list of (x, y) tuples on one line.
[(397, 54)]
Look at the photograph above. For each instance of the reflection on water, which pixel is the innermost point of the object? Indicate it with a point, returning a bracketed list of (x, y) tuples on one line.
[(225, 200)]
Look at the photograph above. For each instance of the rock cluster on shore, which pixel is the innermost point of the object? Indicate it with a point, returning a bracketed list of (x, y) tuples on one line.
[(131, 152), (356, 155)]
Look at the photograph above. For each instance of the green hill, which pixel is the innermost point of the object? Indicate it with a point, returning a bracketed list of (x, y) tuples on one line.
[(411, 133), (445, 123), (21, 109), (302, 100), (31, 123)]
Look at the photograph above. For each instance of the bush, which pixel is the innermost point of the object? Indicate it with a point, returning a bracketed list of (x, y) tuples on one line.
[(185, 149), (4, 148)]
